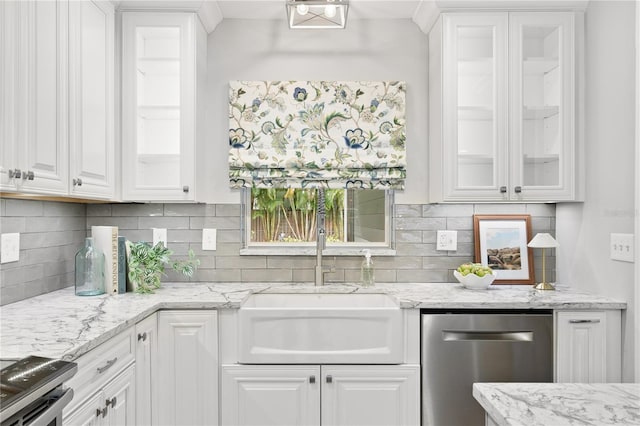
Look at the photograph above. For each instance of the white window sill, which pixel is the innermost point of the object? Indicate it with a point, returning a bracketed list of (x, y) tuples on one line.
[(311, 251)]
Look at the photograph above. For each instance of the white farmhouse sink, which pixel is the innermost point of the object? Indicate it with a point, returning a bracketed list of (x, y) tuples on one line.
[(320, 328)]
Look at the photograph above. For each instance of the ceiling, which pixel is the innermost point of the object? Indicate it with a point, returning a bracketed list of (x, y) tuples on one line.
[(358, 9), (422, 12)]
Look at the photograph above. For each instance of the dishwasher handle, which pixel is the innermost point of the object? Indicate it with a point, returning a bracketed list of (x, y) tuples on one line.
[(495, 336)]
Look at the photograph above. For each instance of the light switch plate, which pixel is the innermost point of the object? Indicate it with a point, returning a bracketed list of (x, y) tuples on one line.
[(209, 236), (160, 235), (447, 240), (9, 247), (621, 247)]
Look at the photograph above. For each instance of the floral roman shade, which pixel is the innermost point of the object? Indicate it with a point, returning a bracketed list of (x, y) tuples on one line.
[(305, 134)]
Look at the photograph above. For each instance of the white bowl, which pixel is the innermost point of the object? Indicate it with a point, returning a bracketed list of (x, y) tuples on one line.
[(474, 282)]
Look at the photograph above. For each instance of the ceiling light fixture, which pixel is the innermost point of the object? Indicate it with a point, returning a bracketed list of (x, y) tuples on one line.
[(317, 14)]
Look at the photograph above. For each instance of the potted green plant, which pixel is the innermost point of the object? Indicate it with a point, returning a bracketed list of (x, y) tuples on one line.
[(147, 264)]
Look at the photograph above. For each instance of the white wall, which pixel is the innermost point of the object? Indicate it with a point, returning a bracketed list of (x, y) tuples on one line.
[(268, 50), (583, 229)]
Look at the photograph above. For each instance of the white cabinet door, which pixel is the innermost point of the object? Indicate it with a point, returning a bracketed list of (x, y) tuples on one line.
[(91, 94), (187, 368), (370, 395), (34, 114), (542, 106), (146, 374), (158, 105), (588, 346), (120, 400), (113, 405), (469, 143), (270, 395), (88, 414)]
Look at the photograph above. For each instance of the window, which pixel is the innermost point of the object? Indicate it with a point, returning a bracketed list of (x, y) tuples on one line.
[(286, 219)]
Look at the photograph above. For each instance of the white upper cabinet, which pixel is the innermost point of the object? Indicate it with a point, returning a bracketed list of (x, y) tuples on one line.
[(57, 104), (91, 99), (34, 111), (503, 107), (159, 105)]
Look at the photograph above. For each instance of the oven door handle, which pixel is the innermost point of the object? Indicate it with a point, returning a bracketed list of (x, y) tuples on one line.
[(496, 336), (55, 410)]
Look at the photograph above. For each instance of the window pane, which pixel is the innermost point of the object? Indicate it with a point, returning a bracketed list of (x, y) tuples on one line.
[(288, 216)]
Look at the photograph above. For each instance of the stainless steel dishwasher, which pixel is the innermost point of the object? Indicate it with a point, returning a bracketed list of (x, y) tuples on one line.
[(460, 347)]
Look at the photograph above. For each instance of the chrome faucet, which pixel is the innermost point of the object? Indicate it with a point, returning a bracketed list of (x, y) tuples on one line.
[(321, 239)]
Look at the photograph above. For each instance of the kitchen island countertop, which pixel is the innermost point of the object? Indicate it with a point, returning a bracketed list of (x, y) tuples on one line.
[(62, 325), (559, 404)]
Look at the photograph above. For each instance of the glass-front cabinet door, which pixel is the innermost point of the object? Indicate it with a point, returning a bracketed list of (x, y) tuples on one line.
[(475, 105), (158, 106), (542, 106)]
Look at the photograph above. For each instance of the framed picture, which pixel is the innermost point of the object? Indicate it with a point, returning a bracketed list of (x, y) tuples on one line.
[(501, 243)]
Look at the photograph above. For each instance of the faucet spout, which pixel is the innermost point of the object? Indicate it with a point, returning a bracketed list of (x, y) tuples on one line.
[(321, 238)]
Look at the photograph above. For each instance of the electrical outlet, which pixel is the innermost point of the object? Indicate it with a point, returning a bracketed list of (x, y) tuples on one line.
[(209, 239), (160, 235), (622, 247), (9, 248), (447, 240)]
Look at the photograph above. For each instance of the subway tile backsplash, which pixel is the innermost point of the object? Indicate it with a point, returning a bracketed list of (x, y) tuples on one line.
[(52, 232)]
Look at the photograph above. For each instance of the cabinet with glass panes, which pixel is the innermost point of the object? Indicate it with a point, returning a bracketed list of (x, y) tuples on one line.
[(502, 107), (159, 96)]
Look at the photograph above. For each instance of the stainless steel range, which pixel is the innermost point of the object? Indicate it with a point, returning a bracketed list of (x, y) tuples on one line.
[(32, 392)]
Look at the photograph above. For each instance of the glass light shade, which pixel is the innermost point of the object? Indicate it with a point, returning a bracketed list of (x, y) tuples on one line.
[(543, 240), (317, 14)]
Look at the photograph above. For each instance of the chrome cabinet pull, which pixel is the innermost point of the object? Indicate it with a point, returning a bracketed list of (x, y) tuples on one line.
[(584, 321), (77, 182), (111, 402), (329, 378), (517, 189), (16, 173), (142, 336), (185, 188), (102, 412), (107, 366), (503, 189), (312, 379), (29, 175)]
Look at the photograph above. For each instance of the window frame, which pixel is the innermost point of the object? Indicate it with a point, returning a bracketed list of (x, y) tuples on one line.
[(385, 248)]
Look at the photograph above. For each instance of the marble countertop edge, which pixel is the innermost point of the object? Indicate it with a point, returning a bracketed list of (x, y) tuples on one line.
[(62, 325)]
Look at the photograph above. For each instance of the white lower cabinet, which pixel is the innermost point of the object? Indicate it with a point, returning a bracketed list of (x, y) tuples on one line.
[(104, 386), (146, 334), (292, 394), (114, 405), (588, 346), (187, 368)]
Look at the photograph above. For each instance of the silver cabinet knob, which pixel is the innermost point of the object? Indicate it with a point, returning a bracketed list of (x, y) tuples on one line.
[(15, 173), (312, 379), (503, 189), (517, 189), (77, 182), (329, 378), (29, 175), (185, 188), (142, 336)]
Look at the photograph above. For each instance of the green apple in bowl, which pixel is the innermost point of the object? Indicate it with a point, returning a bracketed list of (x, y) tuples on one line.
[(475, 276)]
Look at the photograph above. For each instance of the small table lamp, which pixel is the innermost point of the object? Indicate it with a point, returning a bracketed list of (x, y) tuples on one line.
[(543, 241)]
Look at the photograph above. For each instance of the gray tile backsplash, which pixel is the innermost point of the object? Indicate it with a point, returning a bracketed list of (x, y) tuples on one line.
[(50, 235), (52, 232)]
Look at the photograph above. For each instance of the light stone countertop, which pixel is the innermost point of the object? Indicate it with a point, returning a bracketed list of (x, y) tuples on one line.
[(559, 404), (62, 325)]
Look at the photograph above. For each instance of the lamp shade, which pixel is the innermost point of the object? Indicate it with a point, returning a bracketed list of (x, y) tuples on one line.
[(543, 240), (317, 14)]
